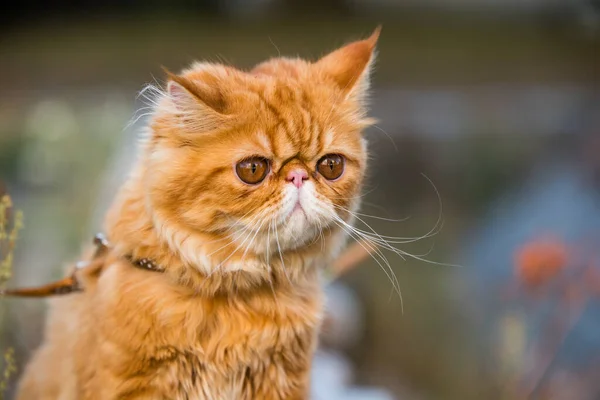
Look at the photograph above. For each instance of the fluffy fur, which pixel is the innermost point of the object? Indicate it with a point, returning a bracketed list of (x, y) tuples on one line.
[(237, 312)]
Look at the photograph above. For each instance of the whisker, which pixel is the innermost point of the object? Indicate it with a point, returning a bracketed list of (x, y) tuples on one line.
[(274, 45), (388, 136), (253, 238), (396, 239), (402, 240), (393, 238), (248, 229), (373, 251), (237, 248), (379, 218), (399, 252), (244, 227), (373, 241), (269, 264), (358, 196), (281, 255)]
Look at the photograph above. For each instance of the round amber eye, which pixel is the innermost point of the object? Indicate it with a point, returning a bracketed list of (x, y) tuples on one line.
[(252, 170), (331, 166)]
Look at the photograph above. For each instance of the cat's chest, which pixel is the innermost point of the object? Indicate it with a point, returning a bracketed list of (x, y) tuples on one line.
[(232, 337), (188, 377), (189, 347), (226, 364)]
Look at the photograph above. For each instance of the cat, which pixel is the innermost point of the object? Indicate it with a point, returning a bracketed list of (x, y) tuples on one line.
[(239, 196)]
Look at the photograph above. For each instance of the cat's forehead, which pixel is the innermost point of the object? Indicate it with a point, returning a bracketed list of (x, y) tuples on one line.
[(292, 120), (296, 131), (283, 143), (291, 101), (292, 88), (282, 67), (282, 109)]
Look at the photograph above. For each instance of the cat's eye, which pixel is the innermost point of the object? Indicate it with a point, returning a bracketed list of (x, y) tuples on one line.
[(331, 166), (252, 170)]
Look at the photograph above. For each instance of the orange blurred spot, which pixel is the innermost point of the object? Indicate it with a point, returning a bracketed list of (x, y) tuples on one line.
[(539, 261)]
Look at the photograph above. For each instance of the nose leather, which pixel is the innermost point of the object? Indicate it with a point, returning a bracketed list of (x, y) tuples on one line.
[(297, 177)]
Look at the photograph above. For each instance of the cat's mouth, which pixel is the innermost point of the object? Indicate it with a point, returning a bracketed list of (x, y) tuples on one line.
[(297, 211), (298, 207), (297, 217)]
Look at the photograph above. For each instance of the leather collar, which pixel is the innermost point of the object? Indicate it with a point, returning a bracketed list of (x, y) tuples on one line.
[(71, 284)]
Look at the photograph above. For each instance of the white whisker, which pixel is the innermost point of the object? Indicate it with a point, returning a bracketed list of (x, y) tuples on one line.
[(281, 255), (372, 250), (388, 136)]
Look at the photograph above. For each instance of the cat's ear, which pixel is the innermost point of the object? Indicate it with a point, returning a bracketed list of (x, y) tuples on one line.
[(349, 66), (199, 103), (185, 92)]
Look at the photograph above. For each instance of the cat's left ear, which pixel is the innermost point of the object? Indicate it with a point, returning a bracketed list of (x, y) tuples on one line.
[(350, 66)]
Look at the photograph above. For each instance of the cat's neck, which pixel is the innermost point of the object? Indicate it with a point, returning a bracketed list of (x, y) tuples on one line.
[(196, 259)]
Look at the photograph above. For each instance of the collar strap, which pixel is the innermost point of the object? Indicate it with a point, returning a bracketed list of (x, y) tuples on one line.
[(103, 245), (71, 284), (145, 263)]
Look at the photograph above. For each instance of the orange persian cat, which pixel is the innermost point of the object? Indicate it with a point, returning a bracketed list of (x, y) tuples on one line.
[(238, 199)]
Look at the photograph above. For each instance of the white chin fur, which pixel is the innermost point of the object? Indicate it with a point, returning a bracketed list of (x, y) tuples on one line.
[(287, 228), (297, 227)]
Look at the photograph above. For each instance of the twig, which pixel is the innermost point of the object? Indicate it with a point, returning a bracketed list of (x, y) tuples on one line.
[(352, 256)]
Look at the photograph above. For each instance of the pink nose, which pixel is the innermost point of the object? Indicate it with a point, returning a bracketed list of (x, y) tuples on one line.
[(297, 176)]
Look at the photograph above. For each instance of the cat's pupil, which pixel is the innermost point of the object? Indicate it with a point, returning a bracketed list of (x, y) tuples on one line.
[(253, 168), (331, 165)]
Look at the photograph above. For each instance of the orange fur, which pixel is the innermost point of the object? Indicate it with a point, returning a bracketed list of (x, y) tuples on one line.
[(237, 312)]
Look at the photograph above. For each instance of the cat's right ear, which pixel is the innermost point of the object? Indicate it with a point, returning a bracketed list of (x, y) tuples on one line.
[(184, 92), (200, 104), (182, 98)]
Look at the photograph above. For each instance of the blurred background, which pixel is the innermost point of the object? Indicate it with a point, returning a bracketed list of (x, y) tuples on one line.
[(495, 104)]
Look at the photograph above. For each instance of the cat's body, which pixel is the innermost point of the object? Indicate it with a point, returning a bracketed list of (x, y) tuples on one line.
[(159, 343), (236, 311)]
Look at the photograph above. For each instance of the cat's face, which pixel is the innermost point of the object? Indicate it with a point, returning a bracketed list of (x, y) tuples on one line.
[(263, 161)]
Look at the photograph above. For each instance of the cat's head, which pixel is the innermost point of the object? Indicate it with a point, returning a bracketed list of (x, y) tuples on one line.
[(262, 161)]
